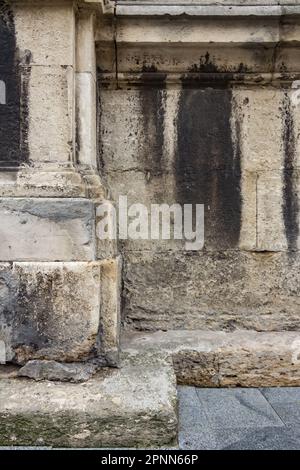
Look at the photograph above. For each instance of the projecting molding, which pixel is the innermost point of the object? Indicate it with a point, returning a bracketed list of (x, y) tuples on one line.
[(207, 7)]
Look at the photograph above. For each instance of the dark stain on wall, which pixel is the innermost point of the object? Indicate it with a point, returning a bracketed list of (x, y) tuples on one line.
[(290, 196), (14, 112), (207, 166), (152, 106)]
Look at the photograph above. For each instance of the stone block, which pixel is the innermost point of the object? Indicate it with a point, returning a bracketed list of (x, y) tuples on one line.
[(134, 406), (50, 311), (260, 114), (47, 229), (45, 33), (222, 359), (271, 231), (85, 43), (278, 210), (57, 371), (215, 291), (51, 114), (86, 118), (110, 318)]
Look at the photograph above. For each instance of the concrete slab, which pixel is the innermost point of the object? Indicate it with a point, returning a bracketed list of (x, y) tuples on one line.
[(134, 406)]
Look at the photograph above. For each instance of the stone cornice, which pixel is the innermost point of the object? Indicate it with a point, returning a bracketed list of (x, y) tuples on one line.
[(272, 8)]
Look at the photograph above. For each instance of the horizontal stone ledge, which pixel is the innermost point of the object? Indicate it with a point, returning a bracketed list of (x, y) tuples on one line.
[(143, 9), (177, 79), (134, 406), (221, 359)]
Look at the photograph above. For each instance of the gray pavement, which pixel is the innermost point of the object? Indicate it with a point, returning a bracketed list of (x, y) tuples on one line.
[(239, 418)]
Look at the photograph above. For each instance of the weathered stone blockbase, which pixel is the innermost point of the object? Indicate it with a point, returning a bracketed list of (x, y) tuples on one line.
[(220, 359), (212, 291), (131, 407), (60, 311), (46, 229), (50, 310)]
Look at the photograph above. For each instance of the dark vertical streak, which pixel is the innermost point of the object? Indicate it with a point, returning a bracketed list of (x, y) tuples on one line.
[(290, 197), (13, 114), (152, 104), (207, 168)]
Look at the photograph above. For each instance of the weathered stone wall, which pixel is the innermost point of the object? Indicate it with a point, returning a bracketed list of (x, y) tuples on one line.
[(206, 110), (59, 286)]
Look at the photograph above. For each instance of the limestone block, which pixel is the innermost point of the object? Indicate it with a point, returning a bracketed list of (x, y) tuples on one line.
[(50, 311), (86, 118), (215, 291), (106, 230), (222, 359), (85, 40), (157, 147), (57, 371), (45, 33), (135, 406), (110, 318), (271, 230), (248, 229), (51, 114), (199, 31), (46, 229), (184, 59), (260, 113)]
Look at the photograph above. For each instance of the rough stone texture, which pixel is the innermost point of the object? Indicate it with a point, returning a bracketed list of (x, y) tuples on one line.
[(11, 119), (215, 291), (48, 46), (50, 310), (57, 371), (51, 113), (131, 407), (191, 115), (47, 229), (219, 359), (110, 317)]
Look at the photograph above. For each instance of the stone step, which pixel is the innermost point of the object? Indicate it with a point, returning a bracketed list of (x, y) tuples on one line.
[(134, 406), (221, 359)]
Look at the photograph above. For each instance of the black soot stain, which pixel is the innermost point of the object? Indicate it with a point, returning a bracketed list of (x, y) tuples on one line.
[(208, 168), (13, 103), (290, 196), (152, 100)]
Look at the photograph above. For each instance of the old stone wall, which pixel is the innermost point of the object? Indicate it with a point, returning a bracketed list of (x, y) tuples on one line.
[(59, 286), (198, 109)]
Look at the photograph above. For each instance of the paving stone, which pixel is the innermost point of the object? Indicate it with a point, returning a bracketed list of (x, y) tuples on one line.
[(194, 431), (237, 408), (289, 413), (282, 394), (267, 439)]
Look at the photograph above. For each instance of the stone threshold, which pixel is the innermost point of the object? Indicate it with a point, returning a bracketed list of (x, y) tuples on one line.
[(134, 407), (224, 359)]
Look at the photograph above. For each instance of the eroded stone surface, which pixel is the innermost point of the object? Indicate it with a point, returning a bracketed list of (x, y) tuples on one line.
[(219, 359), (62, 372), (50, 310), (214, 291), (131, 407), (46, 229)]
